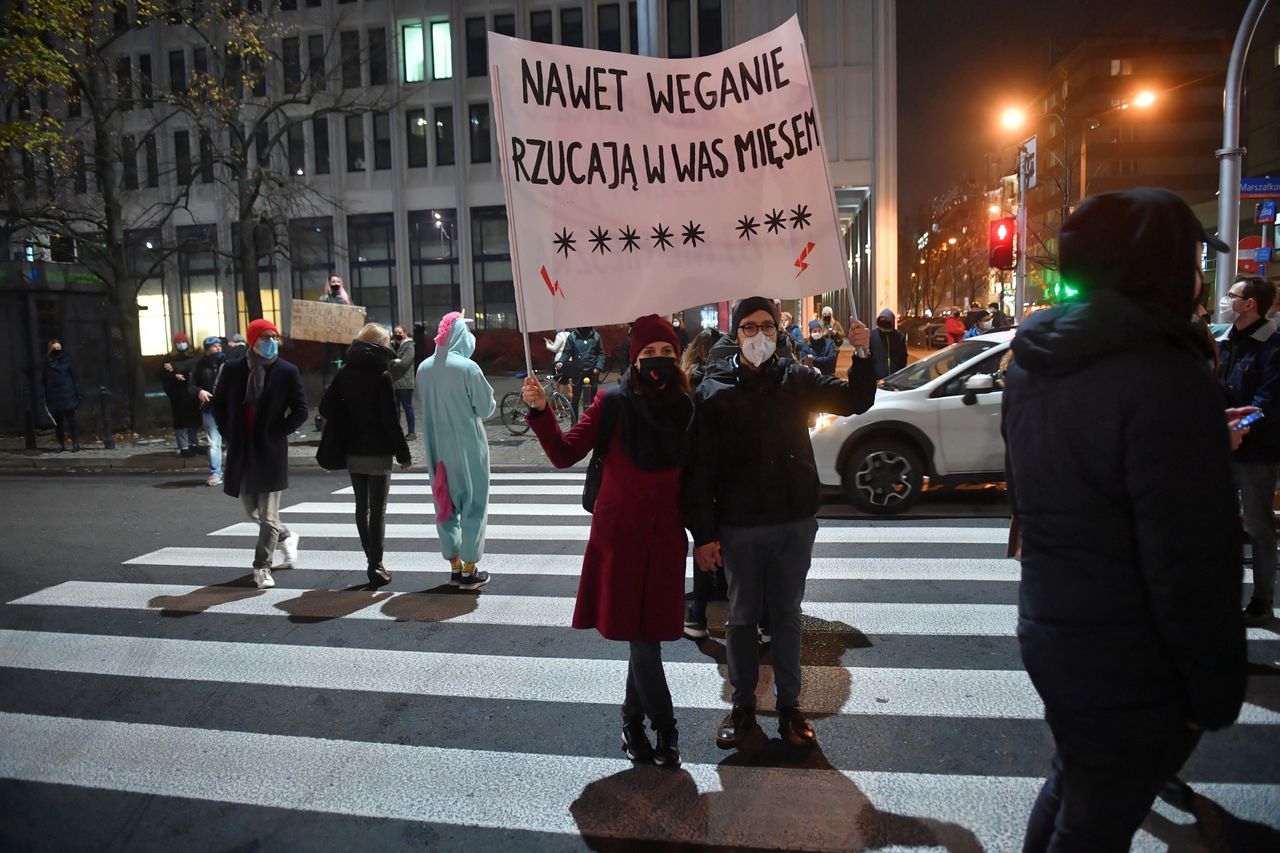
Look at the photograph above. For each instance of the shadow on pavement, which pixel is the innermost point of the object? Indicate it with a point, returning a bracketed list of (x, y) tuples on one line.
[(321, 605), (1212, 827), (200, 600), (439, 604), (775, 795)]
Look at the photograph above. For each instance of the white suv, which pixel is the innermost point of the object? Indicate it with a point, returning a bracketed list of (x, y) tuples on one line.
[(937, 417)]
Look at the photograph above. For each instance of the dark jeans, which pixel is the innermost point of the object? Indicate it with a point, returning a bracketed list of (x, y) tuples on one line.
[(583, 393), (706, 587), (404, 396), (1100, 789), (647, 691), (766, 567), (371, 513), (1257, 484), (65, 419)]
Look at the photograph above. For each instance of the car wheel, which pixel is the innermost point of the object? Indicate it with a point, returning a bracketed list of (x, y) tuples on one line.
[(884, 476)]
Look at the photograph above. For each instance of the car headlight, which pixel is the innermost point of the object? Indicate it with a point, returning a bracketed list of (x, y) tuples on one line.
[(825, 421)]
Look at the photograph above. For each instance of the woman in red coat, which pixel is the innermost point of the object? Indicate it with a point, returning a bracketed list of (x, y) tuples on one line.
[(955, 326), (632, 585)]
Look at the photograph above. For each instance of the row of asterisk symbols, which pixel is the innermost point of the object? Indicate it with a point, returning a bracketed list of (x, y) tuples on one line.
[(629, 238), (775, 221)]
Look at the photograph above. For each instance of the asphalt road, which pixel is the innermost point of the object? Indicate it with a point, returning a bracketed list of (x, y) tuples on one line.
[(151, 698)]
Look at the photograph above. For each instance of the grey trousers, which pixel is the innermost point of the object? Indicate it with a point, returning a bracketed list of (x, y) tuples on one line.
[(766, 567), (647, 691), (264, 508), (1257, 484)]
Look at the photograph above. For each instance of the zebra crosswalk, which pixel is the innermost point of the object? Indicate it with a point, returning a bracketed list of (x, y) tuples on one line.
[(483, 721)]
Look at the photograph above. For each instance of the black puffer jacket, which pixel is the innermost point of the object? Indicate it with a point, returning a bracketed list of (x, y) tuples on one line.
[(361, 403), (752, 460), (1118, 463)]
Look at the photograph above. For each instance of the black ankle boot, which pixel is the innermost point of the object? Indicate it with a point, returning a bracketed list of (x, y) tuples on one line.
[(378, 575), (667, 752), (635, 743)]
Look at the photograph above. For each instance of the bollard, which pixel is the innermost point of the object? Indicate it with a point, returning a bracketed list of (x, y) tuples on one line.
[(108, 434)]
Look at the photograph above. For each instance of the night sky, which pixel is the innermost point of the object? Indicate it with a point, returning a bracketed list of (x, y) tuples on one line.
[(961, 61)]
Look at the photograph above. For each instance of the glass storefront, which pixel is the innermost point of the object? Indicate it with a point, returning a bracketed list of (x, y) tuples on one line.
[(202, 305), (433, 264), (154, 325), (491, 262), (310, 255), (372, 243)]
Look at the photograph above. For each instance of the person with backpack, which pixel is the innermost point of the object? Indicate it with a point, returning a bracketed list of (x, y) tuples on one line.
[(632, 584)]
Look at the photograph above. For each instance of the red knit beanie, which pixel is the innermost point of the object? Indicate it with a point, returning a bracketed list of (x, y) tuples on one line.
[(256, 328), (181, 338), (650, 329)]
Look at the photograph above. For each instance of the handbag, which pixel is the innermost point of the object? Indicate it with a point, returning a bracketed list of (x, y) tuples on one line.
[(595, 468), (331, 455)]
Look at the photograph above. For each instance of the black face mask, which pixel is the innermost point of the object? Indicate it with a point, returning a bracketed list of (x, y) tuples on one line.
[(215, 358), (656, 372), (584, 331), (884, 326)]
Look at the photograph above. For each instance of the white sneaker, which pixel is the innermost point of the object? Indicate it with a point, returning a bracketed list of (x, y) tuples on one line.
[(214, 480), (289, 547), (262, 577)]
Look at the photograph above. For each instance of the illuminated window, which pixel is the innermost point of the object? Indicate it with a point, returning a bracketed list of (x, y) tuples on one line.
[(415, 56), (198, 281), (441, 51), (1121, 67)]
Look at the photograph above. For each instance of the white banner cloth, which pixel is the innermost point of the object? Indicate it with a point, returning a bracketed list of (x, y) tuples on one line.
[(638, 186)]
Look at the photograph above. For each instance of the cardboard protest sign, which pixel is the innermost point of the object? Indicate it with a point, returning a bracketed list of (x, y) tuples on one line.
[(329, 322), (637, 185)]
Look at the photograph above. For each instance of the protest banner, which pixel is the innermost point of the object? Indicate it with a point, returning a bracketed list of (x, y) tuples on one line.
[(637, 185), (329, 322)]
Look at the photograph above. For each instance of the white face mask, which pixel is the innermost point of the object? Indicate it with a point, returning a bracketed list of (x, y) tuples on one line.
[(758, 348), (984, 325), (817, 336), (1226, 310)]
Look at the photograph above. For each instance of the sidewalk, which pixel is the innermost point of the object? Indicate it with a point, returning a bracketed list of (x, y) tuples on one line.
[(150, 453)]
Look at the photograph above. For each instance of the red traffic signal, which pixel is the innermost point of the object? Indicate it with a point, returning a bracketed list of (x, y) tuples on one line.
[(1003, 233)]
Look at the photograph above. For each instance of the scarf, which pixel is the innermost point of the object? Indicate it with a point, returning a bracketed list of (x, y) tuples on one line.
[(257, 375), (655, 430)]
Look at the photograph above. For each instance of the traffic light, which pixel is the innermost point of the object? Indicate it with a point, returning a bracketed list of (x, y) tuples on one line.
[(1003, 232)]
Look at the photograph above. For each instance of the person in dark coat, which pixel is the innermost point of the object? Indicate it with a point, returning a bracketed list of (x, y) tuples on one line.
[(62, 395), (360, 403), (752, 499), (202, 382), (1249, 366), (183, 407), (632, 585), (888, 345), (580, 363), (819, 351), (259, 401), (1119, 472)]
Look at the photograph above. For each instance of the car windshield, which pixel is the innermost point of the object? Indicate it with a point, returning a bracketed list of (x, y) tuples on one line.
[(928, 369)]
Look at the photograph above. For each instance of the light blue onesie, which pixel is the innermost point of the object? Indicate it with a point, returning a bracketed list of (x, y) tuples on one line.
[(456, 399)]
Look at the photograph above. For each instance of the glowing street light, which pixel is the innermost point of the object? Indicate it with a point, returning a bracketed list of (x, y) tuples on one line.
[(951, 240), (1144, 99), (995, 208), (1012, 118)]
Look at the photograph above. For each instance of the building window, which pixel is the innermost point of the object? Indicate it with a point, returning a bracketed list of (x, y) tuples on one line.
[(679, 38), (415, 57), (349, 43), (153, 160), (433, 265), (320, 139), (381, 141), (310, 255), (266, 283), (371, 239), (633, 18), (477, 48), (710, 31), (202, 311), (491, 262), (178, 72), (206, 157), (262, 148), (504, 25), (377, 56), (441, 51), (355, 143), (415, 134), (479, 124), (571, 26), (182, 157), (129, 162), (143, 260), (1121, 67), (78, 164), (296, 145), (291, 50), (146, 87), (315, 61), (609, 27), (444, 136), (313, 4), (288, 5), (258, 74), (540, 27), (124, 82), (200, 61)]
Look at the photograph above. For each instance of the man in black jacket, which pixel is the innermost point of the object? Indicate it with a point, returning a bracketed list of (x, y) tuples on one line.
[(888, 345), (581, 361), (1249, 359), (259, 401), (1119, 472), (752, 498), (203, 381)]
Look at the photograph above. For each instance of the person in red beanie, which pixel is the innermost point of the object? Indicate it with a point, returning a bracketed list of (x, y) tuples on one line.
[(632, 585), (175, 379), (259, 401)]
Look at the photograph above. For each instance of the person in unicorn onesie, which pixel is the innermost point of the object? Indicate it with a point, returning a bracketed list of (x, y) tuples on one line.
[(456, 400)]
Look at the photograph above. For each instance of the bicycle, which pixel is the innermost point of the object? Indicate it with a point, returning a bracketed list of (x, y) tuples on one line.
[(512, 409)]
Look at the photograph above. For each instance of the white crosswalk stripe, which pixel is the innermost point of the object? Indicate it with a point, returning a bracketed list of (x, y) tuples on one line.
[(275, 649)]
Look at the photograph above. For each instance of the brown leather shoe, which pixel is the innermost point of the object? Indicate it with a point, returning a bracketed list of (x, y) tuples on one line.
[(737, 727), (794, 728)]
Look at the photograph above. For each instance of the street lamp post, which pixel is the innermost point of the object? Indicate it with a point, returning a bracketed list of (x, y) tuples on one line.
[(1020, 269)]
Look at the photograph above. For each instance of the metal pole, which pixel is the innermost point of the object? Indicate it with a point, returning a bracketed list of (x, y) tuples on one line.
[(1231, 152), (1020, 273)]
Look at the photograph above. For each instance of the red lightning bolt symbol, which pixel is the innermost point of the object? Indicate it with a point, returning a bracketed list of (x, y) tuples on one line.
[(555, 288), (800, 260)]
